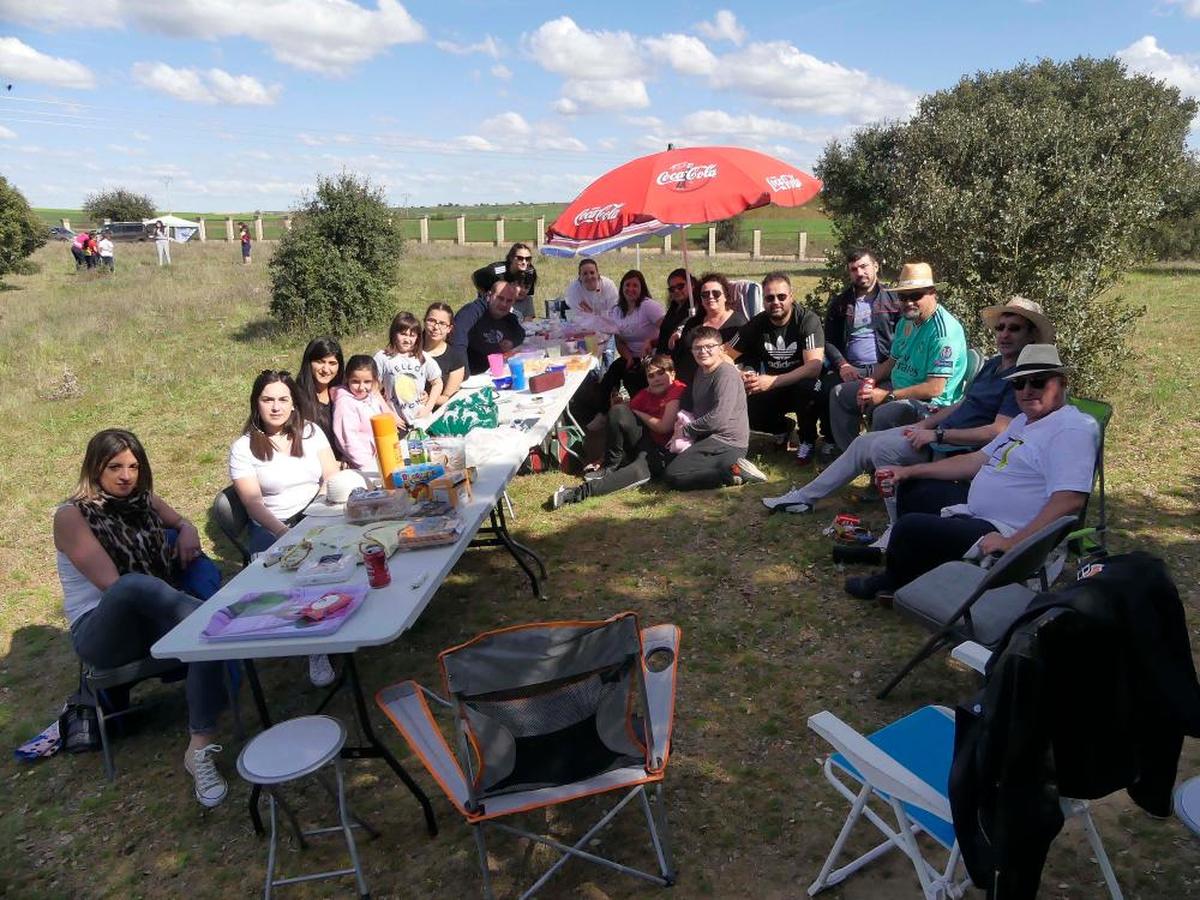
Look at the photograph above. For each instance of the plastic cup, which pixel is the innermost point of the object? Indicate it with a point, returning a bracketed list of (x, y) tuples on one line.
[(592, 344), (554, 351), (517, 368), (496, 364)]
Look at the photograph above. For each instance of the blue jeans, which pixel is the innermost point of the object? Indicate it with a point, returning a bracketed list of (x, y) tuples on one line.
[(132, 615), (258, 538)]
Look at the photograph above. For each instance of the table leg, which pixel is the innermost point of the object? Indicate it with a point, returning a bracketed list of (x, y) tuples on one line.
[(376, 749), (508, 538)]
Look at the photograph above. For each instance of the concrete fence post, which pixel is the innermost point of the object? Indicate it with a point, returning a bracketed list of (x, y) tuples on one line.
[(712, 241), (202, 232), (424, 226), (756, 249), (802, 246), (666, 244), (500, 231), (540, 231), (287, 223), (66, 223), (460, 226), (258, 228), (229, 229)]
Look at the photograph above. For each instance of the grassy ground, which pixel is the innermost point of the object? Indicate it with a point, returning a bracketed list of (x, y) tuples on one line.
[(769, 638)]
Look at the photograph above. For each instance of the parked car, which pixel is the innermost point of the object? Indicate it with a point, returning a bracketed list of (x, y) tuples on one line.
[(58, 233), (127, 231)]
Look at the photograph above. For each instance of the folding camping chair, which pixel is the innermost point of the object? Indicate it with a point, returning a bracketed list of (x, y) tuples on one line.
[(963, 601), (547, 713), (1090, 539), (749, 296), (906, 767)]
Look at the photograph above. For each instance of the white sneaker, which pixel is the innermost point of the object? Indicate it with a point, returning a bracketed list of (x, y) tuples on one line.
[(882, 541), (211, 786), (793, 497), (320, 671), (749, 472)]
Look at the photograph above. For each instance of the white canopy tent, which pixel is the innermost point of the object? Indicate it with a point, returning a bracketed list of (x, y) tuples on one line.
[(179, 229)]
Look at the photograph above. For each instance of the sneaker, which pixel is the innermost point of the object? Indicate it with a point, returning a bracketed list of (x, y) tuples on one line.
[(804, 454), (211, 786), (320, 670), (596, 474), (868, 587), (786, 502), (561, 496), (749, 472), (882, 541)]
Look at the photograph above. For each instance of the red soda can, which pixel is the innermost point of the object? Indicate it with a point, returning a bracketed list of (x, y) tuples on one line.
[(885, 482), (375, 560), (864, 391)]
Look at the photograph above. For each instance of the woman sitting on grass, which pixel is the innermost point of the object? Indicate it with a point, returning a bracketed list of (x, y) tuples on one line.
[(638, 433), (717, 310), (321, 370), (131, 570)]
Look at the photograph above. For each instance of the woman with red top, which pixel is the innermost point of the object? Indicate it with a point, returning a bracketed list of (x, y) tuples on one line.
[(637, 436)]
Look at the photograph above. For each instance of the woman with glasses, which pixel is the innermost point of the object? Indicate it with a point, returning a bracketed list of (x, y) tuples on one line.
[(439, 323), (717, 310), (682, 299), (517, 266), (321, 370)]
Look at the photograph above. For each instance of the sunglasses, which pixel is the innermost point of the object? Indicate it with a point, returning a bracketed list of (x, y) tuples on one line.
[(657, 371), (774, 298), (676, 286), (1010, 327), (711, 295), (523, 258), (1037, 382)]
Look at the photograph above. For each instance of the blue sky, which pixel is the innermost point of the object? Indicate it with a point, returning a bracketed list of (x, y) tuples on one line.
[(230, 105)]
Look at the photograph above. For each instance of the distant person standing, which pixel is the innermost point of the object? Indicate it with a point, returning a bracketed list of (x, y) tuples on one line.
[(105, 246), (244, 237), (91, 251), (78, 245), (162, 243)]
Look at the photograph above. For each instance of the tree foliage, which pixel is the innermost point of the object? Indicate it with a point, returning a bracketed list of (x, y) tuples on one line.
[(334, 270), (21, 232), (729, 233), (1176, 235), (119, 205), (1042, 180)]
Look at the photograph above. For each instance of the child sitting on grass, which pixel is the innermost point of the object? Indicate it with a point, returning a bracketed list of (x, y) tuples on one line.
[(411, 380), (354, 403)]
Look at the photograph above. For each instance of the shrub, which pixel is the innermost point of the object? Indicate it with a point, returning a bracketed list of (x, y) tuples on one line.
[(729, 233), (21, 232), (119, 205), (334, 270), (1042, 180)]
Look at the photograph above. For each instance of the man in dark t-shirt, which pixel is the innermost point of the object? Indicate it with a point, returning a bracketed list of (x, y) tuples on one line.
[(487, 325), (781, 351)]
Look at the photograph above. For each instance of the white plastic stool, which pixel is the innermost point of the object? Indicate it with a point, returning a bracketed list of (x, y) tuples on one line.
[(292, 750)]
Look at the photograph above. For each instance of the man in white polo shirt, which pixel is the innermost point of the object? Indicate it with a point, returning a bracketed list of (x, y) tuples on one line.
[(1037, 470)]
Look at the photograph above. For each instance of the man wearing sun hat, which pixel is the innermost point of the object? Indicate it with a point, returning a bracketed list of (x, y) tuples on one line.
[(985, 411), (1037, 470), (924, 370)]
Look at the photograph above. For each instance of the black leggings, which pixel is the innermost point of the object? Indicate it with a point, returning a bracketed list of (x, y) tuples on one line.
[(705, 464)]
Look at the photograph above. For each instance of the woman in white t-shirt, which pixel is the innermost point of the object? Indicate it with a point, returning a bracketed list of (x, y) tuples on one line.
[(278, 464)]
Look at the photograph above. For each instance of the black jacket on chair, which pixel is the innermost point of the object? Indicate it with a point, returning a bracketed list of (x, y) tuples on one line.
[(1092, 690)]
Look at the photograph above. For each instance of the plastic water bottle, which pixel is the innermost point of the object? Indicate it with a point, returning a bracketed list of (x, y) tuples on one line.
[(416, 447)]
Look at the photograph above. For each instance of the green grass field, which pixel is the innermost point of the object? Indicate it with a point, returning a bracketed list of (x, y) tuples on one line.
[(769, 636)]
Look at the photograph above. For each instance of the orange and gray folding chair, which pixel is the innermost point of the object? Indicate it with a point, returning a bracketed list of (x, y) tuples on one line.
[(546, 713)]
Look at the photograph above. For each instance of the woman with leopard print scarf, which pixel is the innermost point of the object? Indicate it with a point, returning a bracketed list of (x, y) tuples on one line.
[(122, 577)]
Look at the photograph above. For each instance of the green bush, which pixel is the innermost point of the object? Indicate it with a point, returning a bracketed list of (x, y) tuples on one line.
[(119, 205), (729, 233), (333, 272), (1042, 180), (21, 232)]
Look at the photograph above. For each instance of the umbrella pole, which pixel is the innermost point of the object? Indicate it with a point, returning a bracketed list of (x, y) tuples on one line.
[(687, 272)]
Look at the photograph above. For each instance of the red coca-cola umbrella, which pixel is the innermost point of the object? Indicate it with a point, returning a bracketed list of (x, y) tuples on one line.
[(659, 193)]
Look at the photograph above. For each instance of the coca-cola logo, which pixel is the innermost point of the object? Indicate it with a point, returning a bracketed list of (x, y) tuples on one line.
[(787, 182), (606, 213), (686, 176)]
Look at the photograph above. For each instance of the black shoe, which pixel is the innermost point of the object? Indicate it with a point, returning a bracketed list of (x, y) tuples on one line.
[(867, 587)]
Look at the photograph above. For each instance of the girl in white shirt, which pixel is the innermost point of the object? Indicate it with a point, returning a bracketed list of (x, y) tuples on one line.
[(411, 380)]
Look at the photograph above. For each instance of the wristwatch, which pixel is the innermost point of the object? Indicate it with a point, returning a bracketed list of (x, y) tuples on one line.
[(940, 434), (891, 395)]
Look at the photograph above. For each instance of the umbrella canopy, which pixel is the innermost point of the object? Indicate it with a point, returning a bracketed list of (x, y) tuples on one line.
[(656, 194)]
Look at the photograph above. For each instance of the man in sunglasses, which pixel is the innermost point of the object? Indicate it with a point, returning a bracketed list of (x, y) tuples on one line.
[(516, 265), (985, 411), (1037, 470), (924, 370), (781, 351)]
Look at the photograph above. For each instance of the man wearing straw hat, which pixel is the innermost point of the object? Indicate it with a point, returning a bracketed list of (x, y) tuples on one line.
[(1038, 470), (986, 410), (924, 371)]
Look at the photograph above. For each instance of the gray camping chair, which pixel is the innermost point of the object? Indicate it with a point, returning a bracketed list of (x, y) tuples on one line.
[(547, 713), (962, 601), (231, 517), (749, 296)]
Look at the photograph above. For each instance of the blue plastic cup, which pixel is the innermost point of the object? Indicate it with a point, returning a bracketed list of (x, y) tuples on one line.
[(516, 368)]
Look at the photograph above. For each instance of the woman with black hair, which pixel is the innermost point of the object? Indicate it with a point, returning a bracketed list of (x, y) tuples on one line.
[(322, 368), (635, 325), (517, 266)]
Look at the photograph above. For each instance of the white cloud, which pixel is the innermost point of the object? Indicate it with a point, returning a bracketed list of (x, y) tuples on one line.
[(785, 76), (1146, 57), (708, 122), (507, 123), (643, 121), (725, 27), (476, 142), (1191, 8), (605, 96), (329, 36), (21, 63), (488, 47), (511, 132), (139, 136), (7, 134), (682, 52), (210, 86), (501, 71), (562, 47)]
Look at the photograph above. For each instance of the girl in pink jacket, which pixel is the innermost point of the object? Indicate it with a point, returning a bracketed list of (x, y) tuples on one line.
[(354, 403)]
